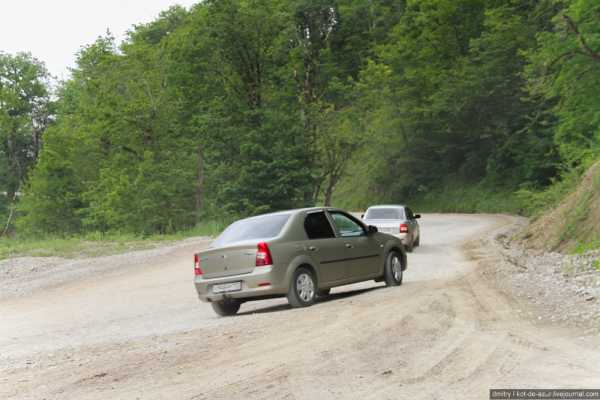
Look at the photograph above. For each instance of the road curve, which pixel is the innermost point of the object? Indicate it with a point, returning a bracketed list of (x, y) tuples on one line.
[(140, 332)]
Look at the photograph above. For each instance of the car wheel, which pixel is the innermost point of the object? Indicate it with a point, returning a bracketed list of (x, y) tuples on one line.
[(323, 292), (303, 288), (418, 241), (393, 269), (226, 308)]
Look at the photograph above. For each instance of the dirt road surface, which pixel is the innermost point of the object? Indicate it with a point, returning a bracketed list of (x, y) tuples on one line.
[(139, 332)]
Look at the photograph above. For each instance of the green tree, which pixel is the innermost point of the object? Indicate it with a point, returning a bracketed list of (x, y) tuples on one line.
[(25, 112), (565, 71)]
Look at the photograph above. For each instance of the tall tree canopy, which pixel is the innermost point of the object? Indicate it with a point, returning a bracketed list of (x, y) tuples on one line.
[(25, 111), (236, 107)]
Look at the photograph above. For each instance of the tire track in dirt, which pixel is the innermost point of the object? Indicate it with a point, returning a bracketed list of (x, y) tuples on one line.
[(446, 333)]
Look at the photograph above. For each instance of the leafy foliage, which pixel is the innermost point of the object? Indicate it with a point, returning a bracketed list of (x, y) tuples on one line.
[(237, 107), (25, 111)]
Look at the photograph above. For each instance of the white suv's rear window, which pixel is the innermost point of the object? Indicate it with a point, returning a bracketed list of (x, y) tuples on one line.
[(384, 213)]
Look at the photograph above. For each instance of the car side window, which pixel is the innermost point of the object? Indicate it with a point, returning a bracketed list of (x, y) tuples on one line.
[(346, 226), (409, 214), (317, 226)]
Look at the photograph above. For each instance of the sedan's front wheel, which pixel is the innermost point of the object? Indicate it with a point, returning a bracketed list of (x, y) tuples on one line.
[(226, 308), (393, 269), (303, 288)]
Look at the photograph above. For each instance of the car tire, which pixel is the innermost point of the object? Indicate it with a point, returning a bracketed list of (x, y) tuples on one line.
[(323, 292), (418, 241), (303, 288), (227, 307), (393, 273)]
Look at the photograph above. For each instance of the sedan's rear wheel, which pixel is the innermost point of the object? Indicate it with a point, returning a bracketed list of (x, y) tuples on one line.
[(393, 269), (227, 307), (303, 288)]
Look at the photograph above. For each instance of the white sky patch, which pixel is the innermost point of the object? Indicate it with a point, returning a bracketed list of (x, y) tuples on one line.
[(53, 31)]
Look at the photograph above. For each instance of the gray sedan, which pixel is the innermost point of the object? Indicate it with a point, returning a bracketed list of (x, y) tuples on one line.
[(300, 254), (397, 220)]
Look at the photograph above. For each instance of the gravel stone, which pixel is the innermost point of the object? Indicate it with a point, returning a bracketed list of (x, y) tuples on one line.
[(562, 287)]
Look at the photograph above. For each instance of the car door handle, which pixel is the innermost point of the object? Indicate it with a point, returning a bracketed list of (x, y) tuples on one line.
[(312, 248), (349, 246)]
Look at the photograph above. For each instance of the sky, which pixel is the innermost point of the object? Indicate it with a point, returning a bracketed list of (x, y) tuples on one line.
[(53, 31)]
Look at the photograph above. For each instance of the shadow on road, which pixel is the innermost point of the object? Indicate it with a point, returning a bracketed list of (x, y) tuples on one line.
[(425, 249), (320, 300)]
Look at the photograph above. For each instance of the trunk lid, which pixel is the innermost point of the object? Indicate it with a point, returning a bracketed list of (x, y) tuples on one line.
[(231, 260)]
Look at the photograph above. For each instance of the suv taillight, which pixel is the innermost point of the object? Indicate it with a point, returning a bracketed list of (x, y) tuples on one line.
[(403, 228), (197, 269), (263, 255)]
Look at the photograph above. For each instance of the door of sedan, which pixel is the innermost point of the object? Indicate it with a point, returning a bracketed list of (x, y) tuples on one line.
[(324, 247), (361, 251)]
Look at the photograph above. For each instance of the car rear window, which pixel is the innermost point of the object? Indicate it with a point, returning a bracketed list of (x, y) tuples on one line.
[(262, 227), (384, 213)]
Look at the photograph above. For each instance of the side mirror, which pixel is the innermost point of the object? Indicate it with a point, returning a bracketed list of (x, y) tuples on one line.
[(362, 216), (372, 229), (417, 216)]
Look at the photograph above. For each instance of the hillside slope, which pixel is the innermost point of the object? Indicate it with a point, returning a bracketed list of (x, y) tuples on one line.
[(575, 221)]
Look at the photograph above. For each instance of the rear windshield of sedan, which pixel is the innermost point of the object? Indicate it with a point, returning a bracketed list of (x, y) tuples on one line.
[(262, 227), (384, 213)]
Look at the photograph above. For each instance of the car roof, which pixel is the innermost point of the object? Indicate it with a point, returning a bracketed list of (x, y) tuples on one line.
[(293, 211), (387, 206)]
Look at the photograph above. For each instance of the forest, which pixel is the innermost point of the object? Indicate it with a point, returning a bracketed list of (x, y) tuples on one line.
[(238, 107)]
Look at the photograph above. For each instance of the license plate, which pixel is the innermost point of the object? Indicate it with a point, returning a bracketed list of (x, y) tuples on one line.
[(227, 287)]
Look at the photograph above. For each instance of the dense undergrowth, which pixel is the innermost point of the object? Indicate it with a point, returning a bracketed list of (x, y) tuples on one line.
[(97, 243), (236, 107)]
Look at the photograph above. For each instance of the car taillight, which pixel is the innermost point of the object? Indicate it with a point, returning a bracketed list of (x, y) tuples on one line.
[(403, 228), (263, 255), (197, 269)]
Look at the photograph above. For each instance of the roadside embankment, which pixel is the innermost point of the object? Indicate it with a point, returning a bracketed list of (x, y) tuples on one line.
[(549, 286), (574, 224)]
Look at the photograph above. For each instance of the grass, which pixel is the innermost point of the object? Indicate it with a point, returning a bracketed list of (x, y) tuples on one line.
[(576, 217), (536, 202), (580, 216), (463, 198), (96, 243), (566, 214), (584, 247)]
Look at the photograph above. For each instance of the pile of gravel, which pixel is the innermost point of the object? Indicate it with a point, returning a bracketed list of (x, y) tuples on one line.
[(562, 288)]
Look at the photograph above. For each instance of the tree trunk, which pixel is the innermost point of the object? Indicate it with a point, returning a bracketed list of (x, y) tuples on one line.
[(199, 184), (316, 192), (37, 144), (329, 190), (8, 221), (583, 44), (14, 167)]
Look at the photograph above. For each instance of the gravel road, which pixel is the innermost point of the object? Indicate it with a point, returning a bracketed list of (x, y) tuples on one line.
[(131, 327)]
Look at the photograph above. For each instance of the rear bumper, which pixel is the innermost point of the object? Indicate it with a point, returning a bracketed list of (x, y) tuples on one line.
[(402, 236), (261, 282)]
